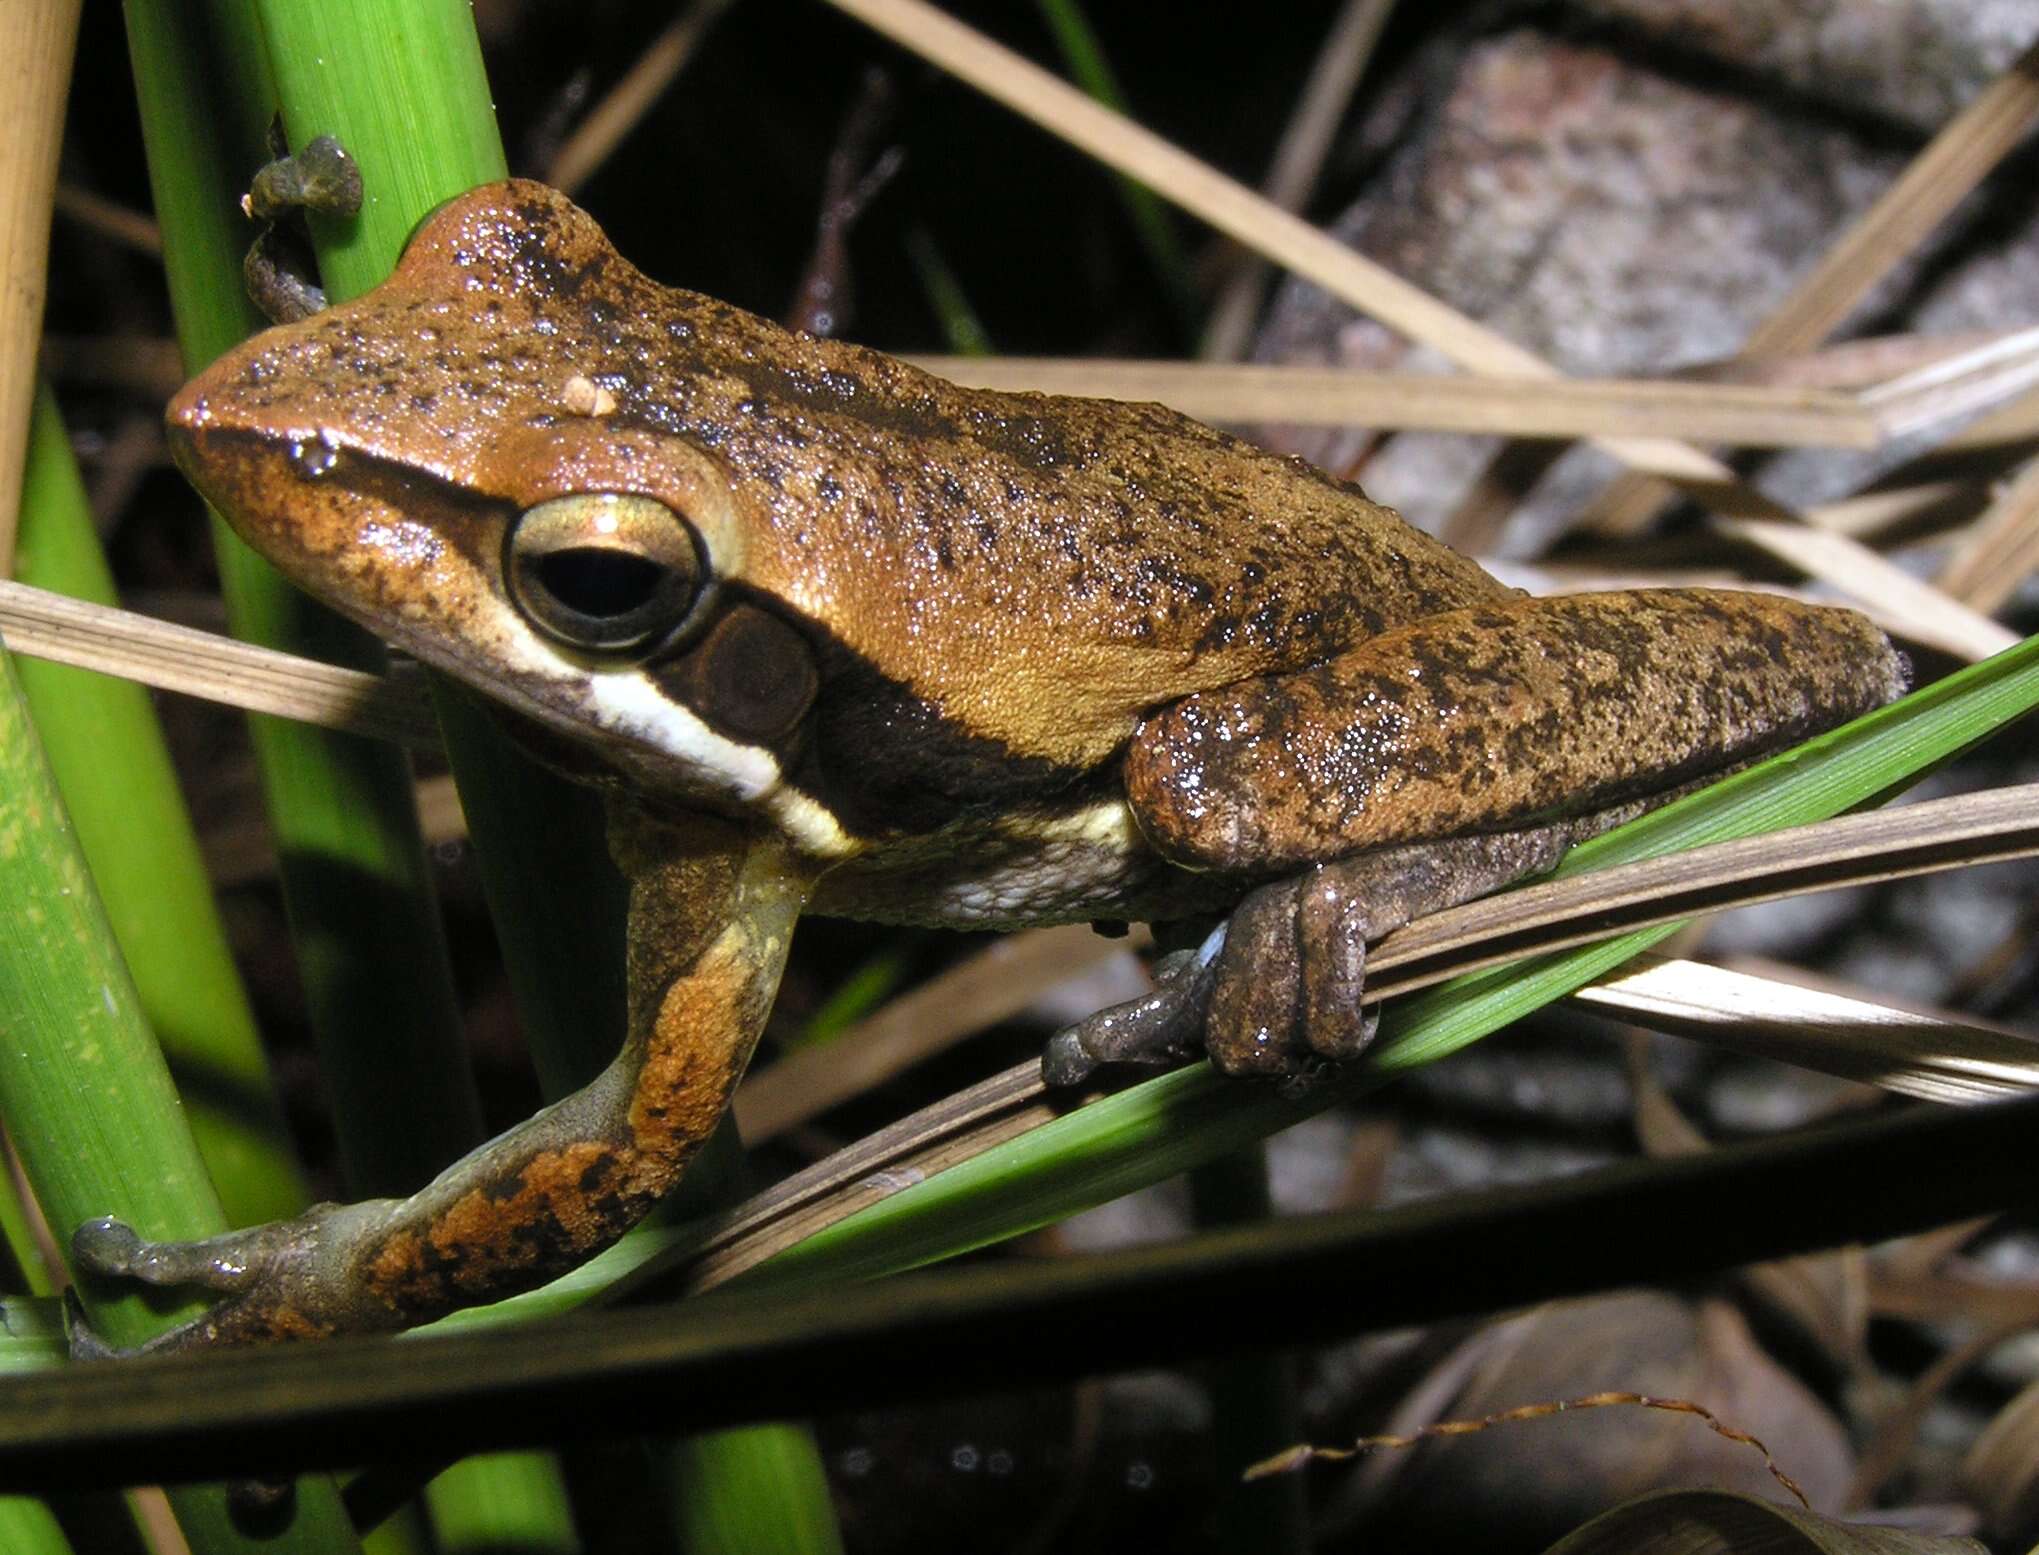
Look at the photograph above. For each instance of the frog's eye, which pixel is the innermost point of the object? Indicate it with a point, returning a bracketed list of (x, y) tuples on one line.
[(603, 572)]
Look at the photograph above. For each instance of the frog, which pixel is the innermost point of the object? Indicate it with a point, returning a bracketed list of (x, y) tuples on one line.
[(834, 636)]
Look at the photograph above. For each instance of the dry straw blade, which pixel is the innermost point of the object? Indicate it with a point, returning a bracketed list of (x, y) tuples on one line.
[(1259, 224), (1755, 414), (179, 658), (1901, 1052)]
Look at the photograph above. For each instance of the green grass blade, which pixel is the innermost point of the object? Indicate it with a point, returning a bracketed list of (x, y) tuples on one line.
[(28, 1528), (962, 326), (401, 84), (371, 951), (87, 1097), (754, 1488), (501, 1501), (107, 751), (1153, 222)]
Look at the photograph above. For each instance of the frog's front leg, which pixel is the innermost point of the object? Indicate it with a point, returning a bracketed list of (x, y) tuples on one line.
[(1438, 762), (712, 907)]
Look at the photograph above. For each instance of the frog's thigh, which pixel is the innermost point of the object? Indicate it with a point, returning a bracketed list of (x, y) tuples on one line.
[(1473, 720)]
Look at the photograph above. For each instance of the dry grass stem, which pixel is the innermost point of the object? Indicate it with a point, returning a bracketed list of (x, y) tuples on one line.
[(1889, 507), (1258, 223), (1237, 211), (1860, 849), (2000, 552), (1920, 611), (990, 986), (1945, 1299), (1568, 408), (1854, 1039), (1981, 378), (1850, 364), (1290, 1459), (36, 74), (1298, 160), (612, 119), (1938, 179), (111, 220), (2014, 426), (1894, 1440), (177, 658)]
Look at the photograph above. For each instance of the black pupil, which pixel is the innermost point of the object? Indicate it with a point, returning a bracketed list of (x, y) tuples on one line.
[(600, 583)]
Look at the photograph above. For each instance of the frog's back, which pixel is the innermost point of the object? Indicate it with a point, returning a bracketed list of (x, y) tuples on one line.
[(1096, 558)]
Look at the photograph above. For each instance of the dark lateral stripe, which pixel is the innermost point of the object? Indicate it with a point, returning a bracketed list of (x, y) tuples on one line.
[(886, 761)]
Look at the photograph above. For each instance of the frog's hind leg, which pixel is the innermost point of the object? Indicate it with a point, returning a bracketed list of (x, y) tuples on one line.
[(1435, 763), (1284, 987)]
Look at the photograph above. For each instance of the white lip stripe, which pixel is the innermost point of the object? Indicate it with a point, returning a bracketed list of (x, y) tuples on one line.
[(629, 704), (626, 704)]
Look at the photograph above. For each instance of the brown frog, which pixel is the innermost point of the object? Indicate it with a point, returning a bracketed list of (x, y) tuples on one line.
[(836, 636)]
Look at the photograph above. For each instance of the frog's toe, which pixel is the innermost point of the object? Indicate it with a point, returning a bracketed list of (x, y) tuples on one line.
[(1162, 1027), (289, 1279), (112, 1249), (1333, 922), (1286, 999), (1255, 1022)]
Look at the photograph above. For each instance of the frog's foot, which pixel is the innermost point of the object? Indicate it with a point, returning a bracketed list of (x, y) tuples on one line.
[(276, 1280), (1285, 997), (1276, 991), (278, 276), (322, 177), (1161, 1028), (1272, 991)]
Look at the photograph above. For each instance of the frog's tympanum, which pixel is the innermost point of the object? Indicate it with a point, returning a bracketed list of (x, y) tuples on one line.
[(836, 636)]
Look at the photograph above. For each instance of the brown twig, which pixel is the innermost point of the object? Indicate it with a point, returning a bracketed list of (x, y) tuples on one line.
[(1289, 1460)]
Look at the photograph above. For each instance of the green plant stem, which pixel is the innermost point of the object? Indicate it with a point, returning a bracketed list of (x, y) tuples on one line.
[(757, 1487), (27, 1527), (371, 950), (111, 764), (401, 84), (1181, 1120), (87, 1097), (1253, 1397)]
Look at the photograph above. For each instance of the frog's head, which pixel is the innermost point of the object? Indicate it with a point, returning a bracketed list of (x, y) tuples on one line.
[(447, 459)]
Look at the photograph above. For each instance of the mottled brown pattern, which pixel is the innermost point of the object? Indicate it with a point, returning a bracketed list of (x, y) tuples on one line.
[(1039, 570), (508, 1234), (1485, 718), (712, 908), (709, 923), (288, 1323)]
